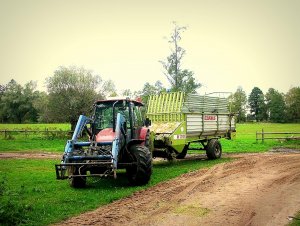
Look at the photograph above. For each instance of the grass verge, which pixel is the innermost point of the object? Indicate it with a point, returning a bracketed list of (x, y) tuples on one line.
[(32, 145), (31, 184)]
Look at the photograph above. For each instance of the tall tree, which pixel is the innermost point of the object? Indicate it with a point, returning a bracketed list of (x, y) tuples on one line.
[(180, 79), (292, 100), (257, 104), (238, 104), (72, 92), (275, 105)]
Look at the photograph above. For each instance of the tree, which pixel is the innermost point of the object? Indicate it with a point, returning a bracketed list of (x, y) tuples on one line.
[(275, 105), (2, 89), (292, 100), (127, 93), (17, 102), (41, 104), (108, 89), (257, 104), (238, 104), (149, 89), (180, 79), (72, 92)]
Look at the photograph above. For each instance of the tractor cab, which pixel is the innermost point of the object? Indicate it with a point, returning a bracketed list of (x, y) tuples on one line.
[(105, 117)]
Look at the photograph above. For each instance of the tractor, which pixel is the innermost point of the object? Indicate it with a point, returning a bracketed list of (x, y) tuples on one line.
[(118, 137)]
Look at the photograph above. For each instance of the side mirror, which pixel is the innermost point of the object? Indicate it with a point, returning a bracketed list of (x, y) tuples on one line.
[(147, 122)]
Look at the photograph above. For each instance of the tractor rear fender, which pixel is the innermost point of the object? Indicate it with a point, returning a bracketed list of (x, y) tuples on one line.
[(143, 133), (134, 142)]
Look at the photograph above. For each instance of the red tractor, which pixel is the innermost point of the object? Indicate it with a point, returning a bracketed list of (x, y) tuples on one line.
[(118, 138)]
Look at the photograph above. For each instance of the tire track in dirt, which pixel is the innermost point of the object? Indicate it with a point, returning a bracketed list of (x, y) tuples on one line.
[(256, 189)]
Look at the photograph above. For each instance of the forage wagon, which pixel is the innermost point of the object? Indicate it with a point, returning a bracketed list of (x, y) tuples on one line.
[(179, 120)]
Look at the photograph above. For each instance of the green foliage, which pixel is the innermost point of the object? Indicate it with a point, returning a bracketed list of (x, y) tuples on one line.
[(180, 79), (16, 103), (108, 89), (257, 104), (238, 102), (72, 92), (275, 105), (292, 100), (54, 200), (149, 89)]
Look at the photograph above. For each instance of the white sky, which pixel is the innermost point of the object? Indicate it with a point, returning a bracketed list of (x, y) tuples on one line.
[(228, 43)]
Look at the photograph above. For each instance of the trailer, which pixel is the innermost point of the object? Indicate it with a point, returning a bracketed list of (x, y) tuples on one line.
[(179, 120)]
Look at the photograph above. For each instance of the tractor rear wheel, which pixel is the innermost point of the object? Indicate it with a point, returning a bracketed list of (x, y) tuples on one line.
[(213, 149), (77, 182), (140, 173)]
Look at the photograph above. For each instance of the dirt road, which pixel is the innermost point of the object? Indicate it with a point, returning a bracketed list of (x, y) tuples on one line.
[(257, 189)]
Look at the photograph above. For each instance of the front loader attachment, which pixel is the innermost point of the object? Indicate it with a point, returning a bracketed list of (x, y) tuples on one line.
[(91, 158)]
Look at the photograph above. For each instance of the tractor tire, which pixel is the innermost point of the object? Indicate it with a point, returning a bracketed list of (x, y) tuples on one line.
[(77, 182), (140, 173), (213, 149), (182, 154)]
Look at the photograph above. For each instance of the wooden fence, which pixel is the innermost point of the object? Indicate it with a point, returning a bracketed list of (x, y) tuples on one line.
[(270, 135)]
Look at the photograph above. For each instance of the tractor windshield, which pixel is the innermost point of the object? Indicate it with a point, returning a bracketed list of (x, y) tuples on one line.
[(104, 114)]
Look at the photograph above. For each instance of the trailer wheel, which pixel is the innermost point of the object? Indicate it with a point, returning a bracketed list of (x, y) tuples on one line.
[(77, 182), (213, 149), (182, 154), (140, 173)]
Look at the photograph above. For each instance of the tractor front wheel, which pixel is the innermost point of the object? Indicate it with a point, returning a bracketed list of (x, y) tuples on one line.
[(76, 181), (140, 173)]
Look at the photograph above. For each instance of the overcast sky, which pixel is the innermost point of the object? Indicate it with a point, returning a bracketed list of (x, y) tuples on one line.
[(228, 43)]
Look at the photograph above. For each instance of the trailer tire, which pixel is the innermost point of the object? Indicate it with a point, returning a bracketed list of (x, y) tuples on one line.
[(140, 174), (182, 154), (214, 149), (77, 182)]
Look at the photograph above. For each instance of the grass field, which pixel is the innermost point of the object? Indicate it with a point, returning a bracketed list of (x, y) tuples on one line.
[(49, 126), (31, 192)]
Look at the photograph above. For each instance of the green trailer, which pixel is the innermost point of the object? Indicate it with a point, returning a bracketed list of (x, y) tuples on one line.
[(179, 120)]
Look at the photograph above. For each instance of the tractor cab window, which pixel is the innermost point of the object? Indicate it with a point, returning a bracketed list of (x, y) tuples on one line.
[(138, 119), (104, 114), (103, 117)]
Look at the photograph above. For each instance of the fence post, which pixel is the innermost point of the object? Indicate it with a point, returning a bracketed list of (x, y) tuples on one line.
[(5, 135), (262, 135), (256, 136)]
